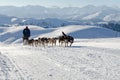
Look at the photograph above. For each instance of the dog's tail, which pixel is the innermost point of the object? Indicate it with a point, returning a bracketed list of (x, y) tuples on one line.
[(64, 33)]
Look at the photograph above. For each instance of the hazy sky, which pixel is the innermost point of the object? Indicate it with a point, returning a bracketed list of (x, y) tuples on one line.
[(60, 3)]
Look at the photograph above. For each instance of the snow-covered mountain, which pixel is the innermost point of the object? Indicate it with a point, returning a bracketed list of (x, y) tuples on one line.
[(55, 17), (48, 22), (94, 55), (76, 13)]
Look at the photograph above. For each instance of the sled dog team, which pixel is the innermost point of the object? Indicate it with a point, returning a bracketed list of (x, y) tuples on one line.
[(64, 40), (42, 42)]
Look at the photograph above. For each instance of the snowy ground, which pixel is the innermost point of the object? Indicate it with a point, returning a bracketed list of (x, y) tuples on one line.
[(87, 59)]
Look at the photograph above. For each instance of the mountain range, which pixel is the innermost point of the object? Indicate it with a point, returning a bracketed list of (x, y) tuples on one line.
[(56, 16)]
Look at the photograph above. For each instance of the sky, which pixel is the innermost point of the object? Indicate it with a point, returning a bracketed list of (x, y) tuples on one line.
[(60, 3)]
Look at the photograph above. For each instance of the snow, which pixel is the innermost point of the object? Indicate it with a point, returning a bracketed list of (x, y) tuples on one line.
[(23, 20), (112, 17), (91, 16), (13, 19), (94, 57)]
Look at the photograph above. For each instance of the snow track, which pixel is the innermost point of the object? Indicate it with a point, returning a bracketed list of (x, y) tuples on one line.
[(9, 69), (59, 63)]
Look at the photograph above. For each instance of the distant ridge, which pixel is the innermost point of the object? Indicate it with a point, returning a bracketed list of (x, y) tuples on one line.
[(74, 13)]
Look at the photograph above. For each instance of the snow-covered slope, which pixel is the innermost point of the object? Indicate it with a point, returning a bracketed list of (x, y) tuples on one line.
[(95, 55), (59, 63), (8, 34), (91, 16), (112, 17)]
